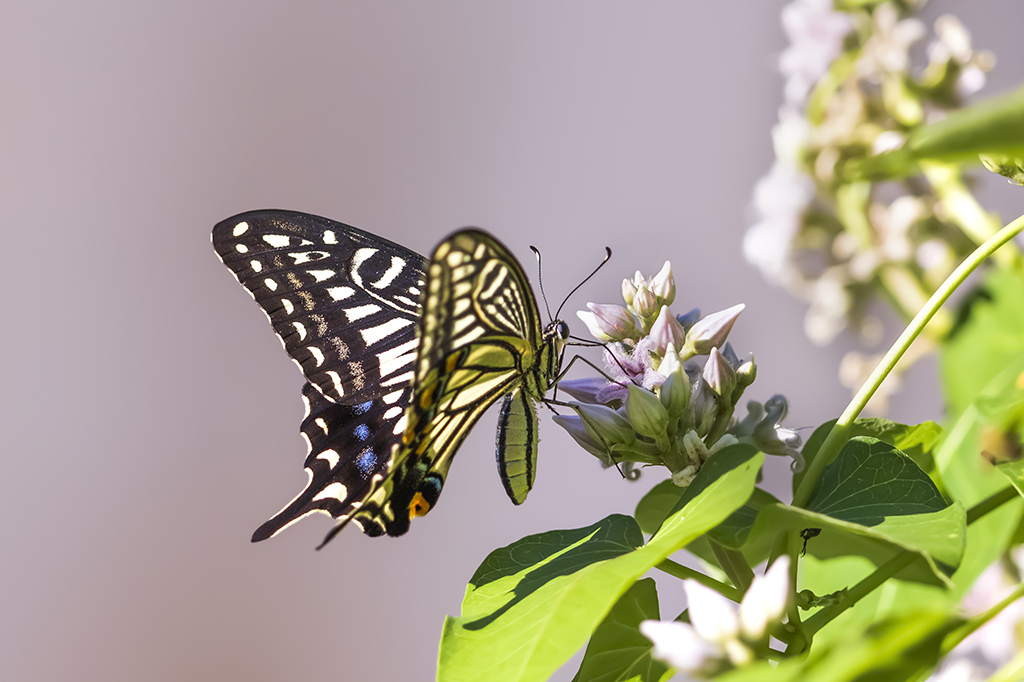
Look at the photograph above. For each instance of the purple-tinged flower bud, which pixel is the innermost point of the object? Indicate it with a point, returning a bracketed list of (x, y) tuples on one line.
[(675, 393), (584, 390), (574, 425), (688, 319), (608, 322), (666, 331), (646, 413), (719, 374), (605, 425), (628, 291), (663, 285), (711, 331), (645, 304), (730, 355)]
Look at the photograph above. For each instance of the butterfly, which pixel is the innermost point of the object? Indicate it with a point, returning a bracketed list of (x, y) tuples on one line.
[(401, 355)]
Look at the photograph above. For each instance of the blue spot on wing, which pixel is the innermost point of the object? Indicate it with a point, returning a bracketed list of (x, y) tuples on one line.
[(366, 461), (362, 432), (363, 408)]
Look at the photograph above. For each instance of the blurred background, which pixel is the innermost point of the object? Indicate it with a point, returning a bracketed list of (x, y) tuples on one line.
[(150, 417)]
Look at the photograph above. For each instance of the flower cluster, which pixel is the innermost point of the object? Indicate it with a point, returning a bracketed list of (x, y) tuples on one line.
[(852, 91), (719, 635), (671, 386)]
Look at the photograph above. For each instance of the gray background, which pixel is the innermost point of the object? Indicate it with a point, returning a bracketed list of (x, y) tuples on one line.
[(149, 415)]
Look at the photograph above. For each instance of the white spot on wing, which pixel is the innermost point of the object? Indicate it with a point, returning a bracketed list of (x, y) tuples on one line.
[(329, 237), (241, 248), (383, 330), (240, 229), (393, 412), (396, 359), (335, 490), (400, 379), (301, 329), (277, 241), (389, 276), (321, 275), (392, 398), (319, 421), (340, 293), (361, 311), (317, 354), (270, 284), (332, 458), (400, 426), (336, 380), (255, 265), (288, 307)]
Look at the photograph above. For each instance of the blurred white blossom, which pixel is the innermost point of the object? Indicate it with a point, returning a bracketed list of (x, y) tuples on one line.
[(815, 31), (720, 634)]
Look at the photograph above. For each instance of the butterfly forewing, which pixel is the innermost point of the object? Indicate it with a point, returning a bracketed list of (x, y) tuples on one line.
[(479, 336), (343, 302)]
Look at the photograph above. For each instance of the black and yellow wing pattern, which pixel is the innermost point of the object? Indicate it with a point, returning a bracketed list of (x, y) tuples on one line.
[(401, 355)]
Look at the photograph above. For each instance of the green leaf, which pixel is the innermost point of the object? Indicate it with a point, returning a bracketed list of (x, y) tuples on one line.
[(733, 532), (654, 507), (994, 126), (917, 441), (617, 652), (535, 603), (874, 501), (871, 480), (937, 538)]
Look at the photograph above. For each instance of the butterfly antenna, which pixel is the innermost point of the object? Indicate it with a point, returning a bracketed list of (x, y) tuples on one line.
[(540, 281), (607, 255)]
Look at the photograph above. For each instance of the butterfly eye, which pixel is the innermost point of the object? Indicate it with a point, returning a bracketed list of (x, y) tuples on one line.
[(562, 329)]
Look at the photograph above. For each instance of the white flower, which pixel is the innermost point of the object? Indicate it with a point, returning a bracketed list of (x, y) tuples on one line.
[(780, 199), (719, 631), (678, 645), (888, 48), (815, 31)]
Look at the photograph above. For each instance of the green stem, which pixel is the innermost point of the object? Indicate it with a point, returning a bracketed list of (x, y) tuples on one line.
[(991, 503), (677, 570), (840, 432), (972, 624), (734, 564), (859, 591)]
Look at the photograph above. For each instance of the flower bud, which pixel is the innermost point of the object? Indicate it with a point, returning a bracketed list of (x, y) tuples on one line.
[(688, 319), (605, 425), (746, 373), (574, 425), (608, 322), (666, 331), (646, 413), (663, 285), (719, 374), (628, 291), (584, 390), (711, 331), (675, 393), (645, 304)]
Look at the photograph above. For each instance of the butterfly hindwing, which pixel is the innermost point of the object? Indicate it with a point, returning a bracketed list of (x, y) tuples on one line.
[(343, 302), (350, 447)]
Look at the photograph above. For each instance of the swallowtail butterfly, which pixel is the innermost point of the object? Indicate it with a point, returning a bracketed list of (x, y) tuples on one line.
[(401, 356)]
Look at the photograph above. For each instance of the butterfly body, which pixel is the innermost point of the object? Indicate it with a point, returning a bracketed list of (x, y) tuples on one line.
[(402, 355)]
